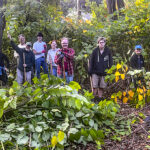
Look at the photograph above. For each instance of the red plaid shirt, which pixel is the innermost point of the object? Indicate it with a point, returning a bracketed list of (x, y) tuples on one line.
[(68, 58)]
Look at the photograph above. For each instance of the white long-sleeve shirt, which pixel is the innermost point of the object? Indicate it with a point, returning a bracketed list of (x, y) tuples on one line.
[(51, 56)]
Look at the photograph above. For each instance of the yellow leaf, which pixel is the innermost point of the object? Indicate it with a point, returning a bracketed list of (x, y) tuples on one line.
[(131, 93), (116, 99), (117, 78), (85, 55), (125, 99), (118, 66), (54, 141), (61, 136), (144, 89), (84, 31), (140, 97), (88, 21), (117, 73), (112, 96), (139, 90), (148, 93), (126, 68), (122, 76), (124, 93), (92, 105)]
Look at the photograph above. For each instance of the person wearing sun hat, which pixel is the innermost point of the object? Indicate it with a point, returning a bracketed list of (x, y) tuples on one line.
[(137, 60)]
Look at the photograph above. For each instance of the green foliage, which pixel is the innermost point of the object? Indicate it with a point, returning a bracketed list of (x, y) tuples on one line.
[(48, 114)]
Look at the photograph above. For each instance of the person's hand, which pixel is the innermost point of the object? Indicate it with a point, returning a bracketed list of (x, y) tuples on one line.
[(43, 51), (24, 65), (6, 69), (45, 46), (8, 35), (61, 56)]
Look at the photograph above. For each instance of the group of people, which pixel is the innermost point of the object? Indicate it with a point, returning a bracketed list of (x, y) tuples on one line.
[(61, 61), (101, 59)]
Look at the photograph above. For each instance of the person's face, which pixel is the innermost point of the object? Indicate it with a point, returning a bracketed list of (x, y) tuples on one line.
[(39, 38), (28, 47), (64, 43), (138, 51), (53, 45), (101, 44), (22, 39)]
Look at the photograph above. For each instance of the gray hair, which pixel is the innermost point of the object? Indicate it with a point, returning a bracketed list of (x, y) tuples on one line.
[(101, 39)]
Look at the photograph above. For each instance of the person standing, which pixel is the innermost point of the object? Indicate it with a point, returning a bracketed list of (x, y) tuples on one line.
[(64, 60), (51, 56), (3, 67), (26, 61), (101, 59), (22, 44), (137, 60), (39, 49)]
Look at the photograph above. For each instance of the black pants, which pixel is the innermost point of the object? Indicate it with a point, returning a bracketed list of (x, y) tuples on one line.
[(4, 77)]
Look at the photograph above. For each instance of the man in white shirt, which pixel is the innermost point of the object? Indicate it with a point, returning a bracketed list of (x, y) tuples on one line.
[(39, 49), (51, 56)]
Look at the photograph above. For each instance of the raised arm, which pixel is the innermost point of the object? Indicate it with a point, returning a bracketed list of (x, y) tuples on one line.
[(14, 46)]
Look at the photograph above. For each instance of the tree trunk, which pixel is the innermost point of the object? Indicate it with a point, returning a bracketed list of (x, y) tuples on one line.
[(1, 24), (111, 6), (78, 9), (120, 4)]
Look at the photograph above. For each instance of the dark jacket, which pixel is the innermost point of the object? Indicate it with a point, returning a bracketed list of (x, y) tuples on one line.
[(134, 62), (3, 58), (29, 57), (100, 62)]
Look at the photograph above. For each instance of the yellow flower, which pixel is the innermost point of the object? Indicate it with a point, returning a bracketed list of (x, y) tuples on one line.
[(117, 78)]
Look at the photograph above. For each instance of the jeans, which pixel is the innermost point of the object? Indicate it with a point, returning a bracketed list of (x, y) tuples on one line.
[(69, 78), (54, 71), (38, 63)]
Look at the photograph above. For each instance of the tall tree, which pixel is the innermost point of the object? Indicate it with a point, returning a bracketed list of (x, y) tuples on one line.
[(112, 5), (1, 24)]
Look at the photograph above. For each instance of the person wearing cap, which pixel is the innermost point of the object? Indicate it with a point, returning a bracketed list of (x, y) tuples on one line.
[(26, 61), (137, 60), (51, 56), (39, 49), (100, 60), (64, 60)]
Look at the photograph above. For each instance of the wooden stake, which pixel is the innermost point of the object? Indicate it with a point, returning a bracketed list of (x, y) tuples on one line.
[(91, 83), (24, 67)]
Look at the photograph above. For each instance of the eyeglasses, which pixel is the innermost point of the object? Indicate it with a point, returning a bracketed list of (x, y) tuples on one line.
[(138, 49), (101, 42)]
